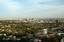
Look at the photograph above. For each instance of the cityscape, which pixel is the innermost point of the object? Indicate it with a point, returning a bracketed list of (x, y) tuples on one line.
[(32, 30), (32, 20)]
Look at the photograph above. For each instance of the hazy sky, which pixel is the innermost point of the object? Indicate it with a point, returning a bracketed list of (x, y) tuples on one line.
[(32, 8)]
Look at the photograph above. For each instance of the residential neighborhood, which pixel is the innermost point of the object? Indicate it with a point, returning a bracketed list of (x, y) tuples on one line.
[(33, 29)]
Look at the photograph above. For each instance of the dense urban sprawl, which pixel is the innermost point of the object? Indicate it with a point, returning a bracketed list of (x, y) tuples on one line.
[(32, 30)]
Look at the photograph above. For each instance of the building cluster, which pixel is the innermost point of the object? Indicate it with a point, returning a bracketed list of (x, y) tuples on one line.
[(32, 29)]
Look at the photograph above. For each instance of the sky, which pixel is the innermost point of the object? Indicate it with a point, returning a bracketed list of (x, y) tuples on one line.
[(32, 8)]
